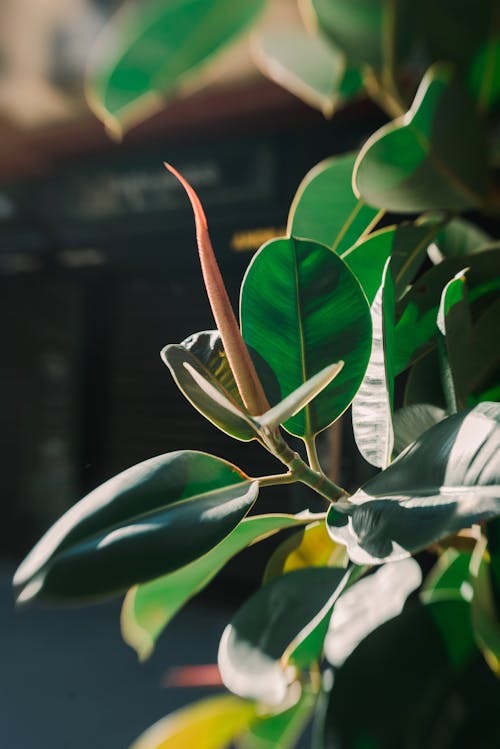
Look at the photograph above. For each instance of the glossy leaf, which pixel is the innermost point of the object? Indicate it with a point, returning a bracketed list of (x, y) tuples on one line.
[(483, 76), (281, 730), (302, 310), (447, 480), (417, 314), (148, 608), (423, 385), (469, 43), (211, 723), (367, 604), (299, 398), (306, 65), (148, 520), (417, 163), (252, 650), (412, 421), (485, 619), (149, 50), (458, 238), (373, 403), (409, 675), (454, 323), (199, 366), (325, 208), (406, 244), (309, 547), (493, 535), (449, 578), (371, 33)]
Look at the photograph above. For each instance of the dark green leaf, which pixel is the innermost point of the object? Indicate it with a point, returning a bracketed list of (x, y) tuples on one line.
[(485, 618), (151, 519), (367, 604), (306, 65), (483, 76), (412, 421), (406, 244), (149, 49), (373, 32), (417, 313), (417, 681), (373, 403), (302, 310), (419, 161), (423, 385), (469, 42), (449, 578), (447, 480), (453, 322), (149, 608), (325, 208), (458, 238), (198, 366), (255, 647)]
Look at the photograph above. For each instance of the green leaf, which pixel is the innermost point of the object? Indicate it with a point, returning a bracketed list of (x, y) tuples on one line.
[(485, 619), (371, 32), (470, 43), (281, 730), (151, 519), (423, 385), (200, 368), (301, 310), (403, 684), (458, 238), (453, 322), (299, 398), (306, 65), (447, 480), (367, 604), (483, 76), (356, 27), (422, 161), (254, 648), (449, 578), (417, 313), (325, 208), (149, 50), (406, 244), (493, 534), (373, 403), (211, 723), (412, 421), (309, 547), (148, 608)]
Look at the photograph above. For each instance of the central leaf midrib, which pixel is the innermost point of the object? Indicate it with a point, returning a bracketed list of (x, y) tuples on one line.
[(301, 336)]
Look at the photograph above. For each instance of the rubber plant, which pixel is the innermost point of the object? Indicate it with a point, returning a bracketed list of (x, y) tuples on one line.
[(344, 631)]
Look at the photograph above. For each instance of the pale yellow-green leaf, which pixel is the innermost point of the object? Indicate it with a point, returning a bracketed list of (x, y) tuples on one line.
[(209, 724)]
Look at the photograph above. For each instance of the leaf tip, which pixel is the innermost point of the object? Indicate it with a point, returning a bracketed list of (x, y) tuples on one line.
[(199, 213)]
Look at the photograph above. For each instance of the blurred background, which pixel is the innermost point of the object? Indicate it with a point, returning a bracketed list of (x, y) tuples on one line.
[(98, 271)]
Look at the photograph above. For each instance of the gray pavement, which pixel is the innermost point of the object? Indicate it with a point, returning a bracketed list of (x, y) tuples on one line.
[(68, 681)]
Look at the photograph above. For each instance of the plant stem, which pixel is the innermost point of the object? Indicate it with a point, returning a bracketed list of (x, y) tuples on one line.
[(278, 478), (301, 471), (312, 454)]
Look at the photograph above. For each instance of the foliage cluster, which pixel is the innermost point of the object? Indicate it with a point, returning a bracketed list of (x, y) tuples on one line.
[(331, 315)]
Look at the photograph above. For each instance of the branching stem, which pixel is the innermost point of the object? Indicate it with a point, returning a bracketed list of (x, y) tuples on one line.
[(301, 471)]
